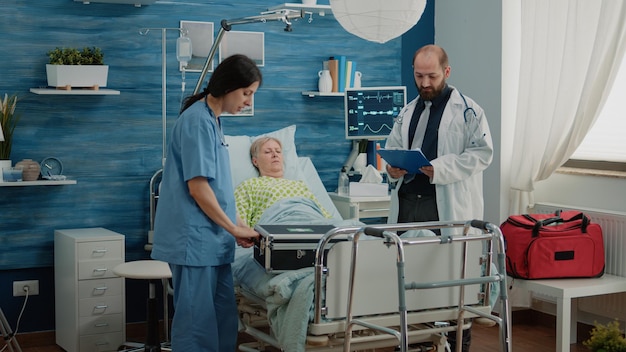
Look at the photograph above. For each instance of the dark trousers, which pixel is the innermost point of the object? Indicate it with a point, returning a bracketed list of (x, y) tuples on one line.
[(419, 208)]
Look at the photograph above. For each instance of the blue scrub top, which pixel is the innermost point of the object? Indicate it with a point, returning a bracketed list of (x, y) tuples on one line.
[(183, 234)]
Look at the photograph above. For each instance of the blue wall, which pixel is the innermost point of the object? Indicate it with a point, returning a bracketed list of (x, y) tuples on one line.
[(112, 144)]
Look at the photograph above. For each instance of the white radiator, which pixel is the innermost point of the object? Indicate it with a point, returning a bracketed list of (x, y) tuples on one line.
[(614, 231)]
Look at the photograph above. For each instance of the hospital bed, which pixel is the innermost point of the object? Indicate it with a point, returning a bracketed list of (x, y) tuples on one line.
[(356, 289)]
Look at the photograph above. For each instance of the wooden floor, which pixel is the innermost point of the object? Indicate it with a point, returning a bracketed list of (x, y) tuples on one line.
[(534, 335)]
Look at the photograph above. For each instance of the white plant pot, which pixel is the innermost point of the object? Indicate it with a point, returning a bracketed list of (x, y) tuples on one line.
[(79, 76)]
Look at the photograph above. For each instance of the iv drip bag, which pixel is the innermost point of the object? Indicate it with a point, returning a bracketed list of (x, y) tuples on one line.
[(183, 50)]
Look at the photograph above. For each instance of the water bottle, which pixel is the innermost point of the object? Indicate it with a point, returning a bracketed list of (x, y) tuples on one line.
[(343, 185)]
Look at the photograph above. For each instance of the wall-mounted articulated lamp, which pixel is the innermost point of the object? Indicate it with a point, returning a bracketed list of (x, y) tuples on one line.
[(283, 15)]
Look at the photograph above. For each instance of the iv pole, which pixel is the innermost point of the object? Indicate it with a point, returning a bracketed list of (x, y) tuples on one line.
[(144, 31), (280, 15)]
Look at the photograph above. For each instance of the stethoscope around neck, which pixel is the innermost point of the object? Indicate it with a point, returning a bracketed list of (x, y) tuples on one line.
[(218, 123), (469, 112), (470, 117)]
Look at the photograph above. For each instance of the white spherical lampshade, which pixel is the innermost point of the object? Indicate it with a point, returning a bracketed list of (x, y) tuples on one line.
[(377, 20)]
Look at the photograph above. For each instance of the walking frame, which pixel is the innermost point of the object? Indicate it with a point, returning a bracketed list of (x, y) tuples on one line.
[(355, 307)]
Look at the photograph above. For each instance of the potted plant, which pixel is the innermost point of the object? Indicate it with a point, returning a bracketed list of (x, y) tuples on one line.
[(70, 67), (606, 338), (8, 121)]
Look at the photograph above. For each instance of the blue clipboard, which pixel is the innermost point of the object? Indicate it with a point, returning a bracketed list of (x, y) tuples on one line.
[(409, 160)]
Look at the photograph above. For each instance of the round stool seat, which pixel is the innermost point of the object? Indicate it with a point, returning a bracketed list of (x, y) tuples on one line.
[(143, 269)]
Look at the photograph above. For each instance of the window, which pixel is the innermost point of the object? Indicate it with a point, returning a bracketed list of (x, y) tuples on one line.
[(604, 147)]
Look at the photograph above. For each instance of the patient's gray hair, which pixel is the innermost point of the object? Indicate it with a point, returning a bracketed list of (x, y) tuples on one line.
[(259, 142)]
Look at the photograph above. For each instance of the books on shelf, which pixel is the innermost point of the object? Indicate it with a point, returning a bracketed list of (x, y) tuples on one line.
[(342, 72)]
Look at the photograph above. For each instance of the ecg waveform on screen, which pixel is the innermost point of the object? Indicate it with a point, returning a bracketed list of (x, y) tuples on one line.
[(364, 127), (388, 112), (379, 96)]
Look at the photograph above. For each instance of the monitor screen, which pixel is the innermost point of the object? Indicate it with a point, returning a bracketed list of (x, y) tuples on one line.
[(370, 111)]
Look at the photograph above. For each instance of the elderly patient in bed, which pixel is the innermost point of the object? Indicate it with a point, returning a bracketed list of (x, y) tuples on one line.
[(272, 199), (256, 195)]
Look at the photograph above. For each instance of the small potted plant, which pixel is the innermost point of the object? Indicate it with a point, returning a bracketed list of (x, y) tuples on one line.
[(606, 338), (70, 67)]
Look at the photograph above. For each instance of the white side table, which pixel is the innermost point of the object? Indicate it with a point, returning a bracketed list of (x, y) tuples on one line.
[(566, 291), (357, 208)]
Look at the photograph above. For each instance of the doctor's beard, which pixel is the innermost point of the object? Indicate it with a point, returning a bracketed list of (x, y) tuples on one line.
[(430, 93)]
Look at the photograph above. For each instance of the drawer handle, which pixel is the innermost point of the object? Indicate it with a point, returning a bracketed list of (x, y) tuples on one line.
[(99, 251), (100, 271), (101, 325), (101, 288), (103, 343), (101, 306)]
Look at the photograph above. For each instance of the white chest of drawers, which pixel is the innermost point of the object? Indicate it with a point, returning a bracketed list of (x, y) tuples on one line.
[(90, 311)]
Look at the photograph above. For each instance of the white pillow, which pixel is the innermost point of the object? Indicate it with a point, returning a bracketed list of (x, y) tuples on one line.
[(239, 151)]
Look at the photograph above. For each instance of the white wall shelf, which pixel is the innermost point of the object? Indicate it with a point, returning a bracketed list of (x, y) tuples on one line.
[(137, 3), (53, 91), (38, 183), (312, 94)]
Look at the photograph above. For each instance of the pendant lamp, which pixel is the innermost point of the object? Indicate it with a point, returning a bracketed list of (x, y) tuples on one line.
[(377, 20)]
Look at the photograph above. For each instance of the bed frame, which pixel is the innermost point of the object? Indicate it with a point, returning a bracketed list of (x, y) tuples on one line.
[(396, 292)]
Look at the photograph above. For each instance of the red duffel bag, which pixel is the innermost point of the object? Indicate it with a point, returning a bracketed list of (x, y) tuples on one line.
[(561, 245)]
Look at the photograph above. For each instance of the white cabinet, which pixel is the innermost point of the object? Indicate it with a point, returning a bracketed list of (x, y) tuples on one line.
[(360, 207), (90, 311)]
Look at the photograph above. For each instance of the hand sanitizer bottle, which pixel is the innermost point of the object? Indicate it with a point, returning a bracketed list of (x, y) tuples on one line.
[(343, 185)]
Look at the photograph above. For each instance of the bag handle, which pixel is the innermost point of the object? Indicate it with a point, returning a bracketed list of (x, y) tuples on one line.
[(541, 223)]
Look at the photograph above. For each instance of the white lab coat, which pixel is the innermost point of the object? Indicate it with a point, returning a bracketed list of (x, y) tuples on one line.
[(464, 150)]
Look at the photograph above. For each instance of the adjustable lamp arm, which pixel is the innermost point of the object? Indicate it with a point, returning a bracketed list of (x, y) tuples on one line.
[(280, 15)]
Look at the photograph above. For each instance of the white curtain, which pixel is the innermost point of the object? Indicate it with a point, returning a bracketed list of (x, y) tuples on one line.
[(570, 53)]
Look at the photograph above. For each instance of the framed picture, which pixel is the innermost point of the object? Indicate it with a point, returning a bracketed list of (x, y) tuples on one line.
[(251, 44), (201, 35), (247, 111)]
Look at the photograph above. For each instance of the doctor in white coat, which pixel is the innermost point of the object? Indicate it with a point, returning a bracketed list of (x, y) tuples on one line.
[(452, 132), (463, 142)]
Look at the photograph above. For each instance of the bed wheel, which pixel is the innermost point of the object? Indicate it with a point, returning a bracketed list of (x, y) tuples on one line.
[(317, 340)]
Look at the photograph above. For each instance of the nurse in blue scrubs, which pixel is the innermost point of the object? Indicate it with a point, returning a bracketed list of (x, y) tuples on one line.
[(196, 225)]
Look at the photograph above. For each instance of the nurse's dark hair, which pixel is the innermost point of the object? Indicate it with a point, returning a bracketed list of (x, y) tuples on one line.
[(237, 71)]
